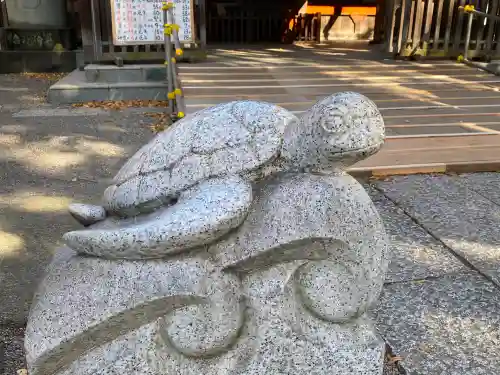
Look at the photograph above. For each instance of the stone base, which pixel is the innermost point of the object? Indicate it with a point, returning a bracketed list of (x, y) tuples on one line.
[(110, 73), (75, 88), (37, 61), (491, 67), (140, 322)]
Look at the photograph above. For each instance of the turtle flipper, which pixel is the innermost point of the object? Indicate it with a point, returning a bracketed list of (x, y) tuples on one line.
[(203, 214), (87, 214)]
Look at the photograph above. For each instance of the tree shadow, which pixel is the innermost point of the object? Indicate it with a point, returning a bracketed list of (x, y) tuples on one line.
[(46, 163)]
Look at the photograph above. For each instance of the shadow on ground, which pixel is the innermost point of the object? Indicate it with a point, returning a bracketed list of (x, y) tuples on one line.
[(45, 163)]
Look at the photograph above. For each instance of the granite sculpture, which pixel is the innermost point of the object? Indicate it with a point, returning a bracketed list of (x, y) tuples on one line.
[(233, 243)]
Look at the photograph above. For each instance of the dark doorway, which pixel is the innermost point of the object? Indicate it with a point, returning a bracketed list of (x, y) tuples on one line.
[(242, 22)]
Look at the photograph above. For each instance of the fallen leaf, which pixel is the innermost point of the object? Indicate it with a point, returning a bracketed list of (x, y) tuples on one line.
[(163, 121), (121, 104), (394, 359), (44, 76)]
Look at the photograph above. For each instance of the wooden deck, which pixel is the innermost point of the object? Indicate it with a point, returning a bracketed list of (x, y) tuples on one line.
[(440, 116)]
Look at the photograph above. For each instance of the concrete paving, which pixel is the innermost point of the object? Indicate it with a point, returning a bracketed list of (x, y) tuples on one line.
[(441, 310)]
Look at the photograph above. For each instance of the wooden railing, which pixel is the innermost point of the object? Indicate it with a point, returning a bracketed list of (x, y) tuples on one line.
[(437, 28), (483, 41)]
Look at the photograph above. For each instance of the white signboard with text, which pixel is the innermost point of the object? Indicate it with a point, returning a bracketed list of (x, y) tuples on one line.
[(141, 21)]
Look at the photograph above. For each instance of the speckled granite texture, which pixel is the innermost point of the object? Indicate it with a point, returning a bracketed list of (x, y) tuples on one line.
[(451, 208), (441, 310), (445, 326), (233, 243), (415, 254)]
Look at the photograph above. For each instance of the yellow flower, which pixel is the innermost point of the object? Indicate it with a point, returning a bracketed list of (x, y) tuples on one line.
[(469, 8)]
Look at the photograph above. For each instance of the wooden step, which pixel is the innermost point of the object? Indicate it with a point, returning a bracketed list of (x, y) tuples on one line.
[(433, 155)]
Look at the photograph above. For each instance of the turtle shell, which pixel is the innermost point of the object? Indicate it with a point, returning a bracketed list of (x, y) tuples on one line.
[(231, 138)]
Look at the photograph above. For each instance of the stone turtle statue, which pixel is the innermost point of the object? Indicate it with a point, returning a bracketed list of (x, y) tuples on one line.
[(195, 182), (234, 243)]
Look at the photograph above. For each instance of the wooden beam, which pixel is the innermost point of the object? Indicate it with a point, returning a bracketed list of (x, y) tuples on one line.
[(427, 25), (3, 14), (202, 10), (491, 27), (381, 22), (96, 30), (447, 34), (4, 19), (435, 44), (406, 23), (85, 15), (459, 26), (479, 30), (389, 24), (317, 23), (417, 31)]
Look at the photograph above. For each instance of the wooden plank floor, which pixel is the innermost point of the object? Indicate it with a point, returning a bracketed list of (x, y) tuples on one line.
[(439, 115)]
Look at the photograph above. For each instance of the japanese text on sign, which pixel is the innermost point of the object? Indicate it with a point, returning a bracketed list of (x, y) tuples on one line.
[(141, 21)]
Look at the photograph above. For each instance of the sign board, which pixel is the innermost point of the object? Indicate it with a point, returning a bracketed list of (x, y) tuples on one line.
[(141, 21)]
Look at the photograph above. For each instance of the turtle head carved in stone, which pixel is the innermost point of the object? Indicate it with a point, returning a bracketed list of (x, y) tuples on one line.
[(335, 133)]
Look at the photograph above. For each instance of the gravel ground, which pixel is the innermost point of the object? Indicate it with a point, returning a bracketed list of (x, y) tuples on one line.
[(11, 351)]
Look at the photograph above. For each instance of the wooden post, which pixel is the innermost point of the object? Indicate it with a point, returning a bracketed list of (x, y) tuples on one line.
[(497, 37), (447, 33), (435, 45), (412, 20), (307, 28), (479, 30), (406, 19), (380, 22), (317, 29), (491, 28), (3, 12), (427, 25), (458, 28), (85, 15), (203, 23), (417, 32), (96, 30), (5, 23), (390, 24)]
